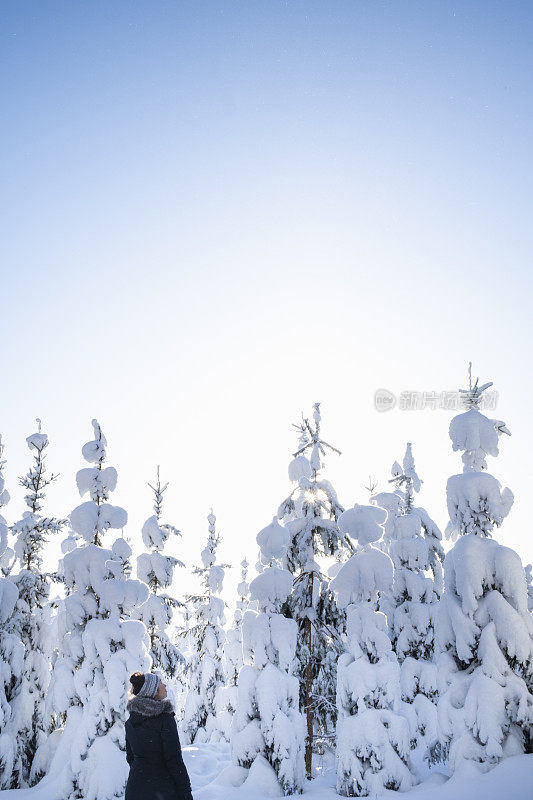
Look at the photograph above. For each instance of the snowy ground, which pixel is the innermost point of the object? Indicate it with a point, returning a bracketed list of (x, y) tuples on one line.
[(214, 778)]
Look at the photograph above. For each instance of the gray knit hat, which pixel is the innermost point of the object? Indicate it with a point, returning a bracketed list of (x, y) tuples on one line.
[(150, 685)]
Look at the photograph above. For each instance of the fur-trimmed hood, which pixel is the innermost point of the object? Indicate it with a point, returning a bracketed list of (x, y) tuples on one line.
[(148, 707)]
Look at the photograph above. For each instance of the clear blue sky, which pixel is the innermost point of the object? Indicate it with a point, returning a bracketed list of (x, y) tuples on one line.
[(216, 213)]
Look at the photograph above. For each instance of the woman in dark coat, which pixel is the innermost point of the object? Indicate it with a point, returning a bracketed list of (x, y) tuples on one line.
[(157, 771)]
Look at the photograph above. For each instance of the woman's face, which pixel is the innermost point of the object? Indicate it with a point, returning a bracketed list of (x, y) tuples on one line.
[(161, 691)]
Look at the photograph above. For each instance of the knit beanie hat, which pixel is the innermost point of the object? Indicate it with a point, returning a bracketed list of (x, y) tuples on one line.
[(150, 685)]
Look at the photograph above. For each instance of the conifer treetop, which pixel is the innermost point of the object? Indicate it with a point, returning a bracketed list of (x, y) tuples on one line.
[(35, 481), (476, 500), (33, 529), (474, 433), (406, 480), (94, 517), (310, 439)]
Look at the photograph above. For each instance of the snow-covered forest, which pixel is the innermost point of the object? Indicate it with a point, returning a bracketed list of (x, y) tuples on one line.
[(366, 651)]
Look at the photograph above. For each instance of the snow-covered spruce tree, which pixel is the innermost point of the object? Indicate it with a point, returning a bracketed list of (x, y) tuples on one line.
[(11, 648), (232, 662), (407, 484), (416, 552), (484, 630), (268, 730), (156, 569), (397, 504), (204, 668), (233, 646), (182, 639), (30, 621), (93, 518), (99, 646), (374, 727), (310, 515)]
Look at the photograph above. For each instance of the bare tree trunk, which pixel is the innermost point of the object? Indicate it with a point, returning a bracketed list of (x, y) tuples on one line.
[(308, 690)]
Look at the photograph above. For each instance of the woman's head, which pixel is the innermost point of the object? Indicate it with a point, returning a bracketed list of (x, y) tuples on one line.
[(137, 681), (148, 685)]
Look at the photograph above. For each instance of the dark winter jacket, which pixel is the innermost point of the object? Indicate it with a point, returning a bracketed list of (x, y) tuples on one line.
[(157, 771)]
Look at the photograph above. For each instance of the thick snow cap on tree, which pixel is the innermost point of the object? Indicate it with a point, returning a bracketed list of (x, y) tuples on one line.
[(69, 543), (363, 523), (476, 435), (155, 565), (362, 576), (476, 566), (86, 566), (476, 503), (92, 566), (89, 518), (154, 535), (95, 451), (472, 432), (37, 441), (96, 482), (372, 754), (271, 588), (391, 502), (408, 526), (299, 468), (272, 541), (215, 578)]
